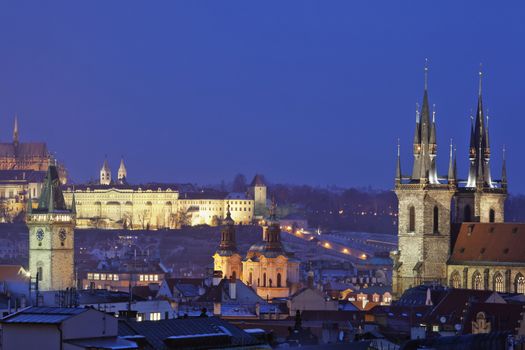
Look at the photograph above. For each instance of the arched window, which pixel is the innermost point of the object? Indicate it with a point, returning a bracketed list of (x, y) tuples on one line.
[(455, 280), (520, 284), (467, 214), (234, 275), (258, 282), (264, 279), (40, 271), (436, 219), (411, 219), (279, 280), (250, 279), (492, 215), (499, 286), (477, 281), (270, 282)]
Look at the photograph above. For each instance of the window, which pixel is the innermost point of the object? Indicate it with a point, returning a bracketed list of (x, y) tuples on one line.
[(96, 276), (154, 316), (250, 279), (455, 280), (477, 281), (140, 317), (279, 280), (102, 276), (89, 276), (467, 214), (156, 278), (436, 219), (141, 278), (115, 277), (520, 284), (40, 273), (499, 286), (411, 219), (264, 279), (492, 215)]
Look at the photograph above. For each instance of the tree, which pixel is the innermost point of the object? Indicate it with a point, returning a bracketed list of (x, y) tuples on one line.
[(179, 219), (239, 183)]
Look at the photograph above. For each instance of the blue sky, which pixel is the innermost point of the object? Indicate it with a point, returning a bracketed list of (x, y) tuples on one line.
[(302, 91)]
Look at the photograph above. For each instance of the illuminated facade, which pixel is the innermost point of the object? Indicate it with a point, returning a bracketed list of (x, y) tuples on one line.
[(114, 205)]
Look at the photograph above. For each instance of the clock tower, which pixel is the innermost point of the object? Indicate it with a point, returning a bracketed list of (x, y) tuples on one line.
[(51, 236)]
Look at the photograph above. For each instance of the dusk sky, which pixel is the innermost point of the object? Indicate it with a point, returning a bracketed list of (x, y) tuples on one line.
[(303, 92)]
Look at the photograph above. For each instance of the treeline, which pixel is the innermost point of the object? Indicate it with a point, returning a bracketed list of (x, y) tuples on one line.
[(340, 209)]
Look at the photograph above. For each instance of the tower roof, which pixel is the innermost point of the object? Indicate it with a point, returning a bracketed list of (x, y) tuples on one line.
[(51, 199), (105, 165), (122, 167), (258, 180), (15, 131)]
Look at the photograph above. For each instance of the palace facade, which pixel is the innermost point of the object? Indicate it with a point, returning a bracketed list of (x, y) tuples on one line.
[(452, 231), (118, 204)]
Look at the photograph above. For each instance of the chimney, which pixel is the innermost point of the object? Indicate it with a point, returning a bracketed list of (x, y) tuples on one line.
[(310, 280), (233, 288), (217, 308)]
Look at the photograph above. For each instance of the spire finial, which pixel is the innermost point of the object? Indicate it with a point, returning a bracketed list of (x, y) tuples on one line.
[(426, 73), (480, 77), (417, 112), (15, 130), (451, 147), (398, 147), (504, 150), (434, 113)]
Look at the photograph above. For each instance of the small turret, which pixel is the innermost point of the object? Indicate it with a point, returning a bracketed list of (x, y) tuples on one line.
[(122, 173), (105, 173)]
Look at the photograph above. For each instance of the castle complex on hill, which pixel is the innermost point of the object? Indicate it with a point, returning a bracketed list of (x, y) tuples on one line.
[(118, 204), (451, 230)]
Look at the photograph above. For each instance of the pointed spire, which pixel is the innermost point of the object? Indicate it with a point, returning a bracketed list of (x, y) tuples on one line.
[(433, 128), (451, 178), (426, 74), (398, 166), (15, 131), (480, 78), (73, 203), (417, 136), (504, 168)]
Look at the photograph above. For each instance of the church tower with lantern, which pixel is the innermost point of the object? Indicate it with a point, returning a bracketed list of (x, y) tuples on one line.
[(51, 236), (424, 210), (226, 259)]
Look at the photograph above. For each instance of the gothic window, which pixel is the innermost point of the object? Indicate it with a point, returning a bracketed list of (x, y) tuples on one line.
[(520, 284), (264, 279), (250, 279), (411, 219), (455, 280), (499, 286), (467, 214), (234, 275), (270, 282), (477, 281), (436, 219), (492, 215)]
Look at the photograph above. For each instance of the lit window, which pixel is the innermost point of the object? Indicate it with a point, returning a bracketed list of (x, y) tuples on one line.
[(435, 328), (141, 278), (96, 276), (115, 277), (156, 278), (103, 276), (154, 316), (140, 317), (89, 276)]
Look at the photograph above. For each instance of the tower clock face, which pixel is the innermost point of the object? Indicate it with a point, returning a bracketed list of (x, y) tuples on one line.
[(62, 235), (40, 234)]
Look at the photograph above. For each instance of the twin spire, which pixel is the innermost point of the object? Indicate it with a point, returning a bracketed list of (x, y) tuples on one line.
[(105, 173), (425, 147)]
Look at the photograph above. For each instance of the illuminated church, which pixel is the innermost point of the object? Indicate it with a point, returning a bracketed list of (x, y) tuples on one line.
[(268, 267), (451, 231), (34, 156)]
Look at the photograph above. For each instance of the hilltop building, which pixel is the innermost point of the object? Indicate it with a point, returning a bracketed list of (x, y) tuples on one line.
[(270, 269), (257, 191), (452, 231), (51, 237), (33, 156), (118, 204)]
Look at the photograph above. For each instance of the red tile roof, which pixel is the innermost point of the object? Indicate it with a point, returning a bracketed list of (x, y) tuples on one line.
[(490, 242)]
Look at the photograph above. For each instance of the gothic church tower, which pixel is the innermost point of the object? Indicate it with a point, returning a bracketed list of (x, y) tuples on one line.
[(105, 173), (424, 209), (482, 199), (51, 237)]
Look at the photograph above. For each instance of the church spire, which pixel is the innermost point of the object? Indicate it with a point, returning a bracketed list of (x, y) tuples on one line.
[(122, 172), (504, 169), (228, 245), (15, 132), (398, 165), (451, 166)]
